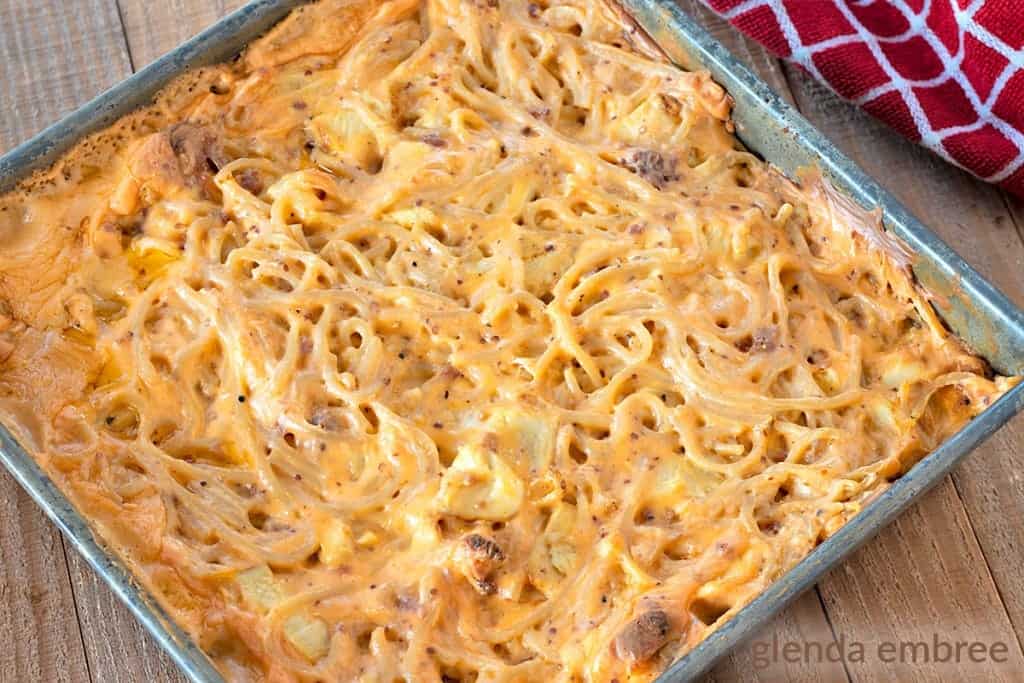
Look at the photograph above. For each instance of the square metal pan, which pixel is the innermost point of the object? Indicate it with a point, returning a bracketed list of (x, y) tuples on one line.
[(768, 126)]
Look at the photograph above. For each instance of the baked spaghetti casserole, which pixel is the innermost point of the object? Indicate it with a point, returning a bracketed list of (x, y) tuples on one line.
[(438, 340)]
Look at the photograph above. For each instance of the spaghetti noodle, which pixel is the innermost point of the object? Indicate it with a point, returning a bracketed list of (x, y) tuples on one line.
[(452, 341)]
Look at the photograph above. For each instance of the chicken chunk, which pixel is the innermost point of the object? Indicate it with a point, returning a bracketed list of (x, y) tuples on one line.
[(186, 155), (643, 636)]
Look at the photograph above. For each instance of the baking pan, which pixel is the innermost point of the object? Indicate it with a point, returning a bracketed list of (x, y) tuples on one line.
[(768, 126)]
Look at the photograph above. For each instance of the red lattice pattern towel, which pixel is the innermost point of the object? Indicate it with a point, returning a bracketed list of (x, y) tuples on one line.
[(946, 73)]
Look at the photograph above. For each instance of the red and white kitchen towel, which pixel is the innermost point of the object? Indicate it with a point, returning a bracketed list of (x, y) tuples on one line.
[(946, 73)]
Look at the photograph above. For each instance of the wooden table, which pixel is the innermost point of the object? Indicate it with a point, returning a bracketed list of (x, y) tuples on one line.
[(950, 567)]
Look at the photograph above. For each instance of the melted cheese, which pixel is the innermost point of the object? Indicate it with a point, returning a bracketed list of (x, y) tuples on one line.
[(459, 341)]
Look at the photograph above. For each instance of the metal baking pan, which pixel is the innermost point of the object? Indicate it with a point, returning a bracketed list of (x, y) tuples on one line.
[(768, 126)]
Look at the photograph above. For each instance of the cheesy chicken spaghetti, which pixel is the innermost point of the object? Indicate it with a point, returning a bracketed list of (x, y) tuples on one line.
[(436, 340)]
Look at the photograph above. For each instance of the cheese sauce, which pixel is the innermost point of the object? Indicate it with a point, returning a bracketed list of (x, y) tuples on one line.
[(459, 341)]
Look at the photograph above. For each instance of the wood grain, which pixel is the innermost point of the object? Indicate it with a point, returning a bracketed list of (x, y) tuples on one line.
[(758, 660), (153, 28), (40, 635), (55, 55), (991, 481), (923, 577), (118, 649)]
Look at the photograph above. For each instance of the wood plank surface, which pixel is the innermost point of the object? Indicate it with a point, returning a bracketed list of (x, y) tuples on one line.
[(950, 566), (154, 28), (117, 647), (991, 481), (41, 636), (55, 55)]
